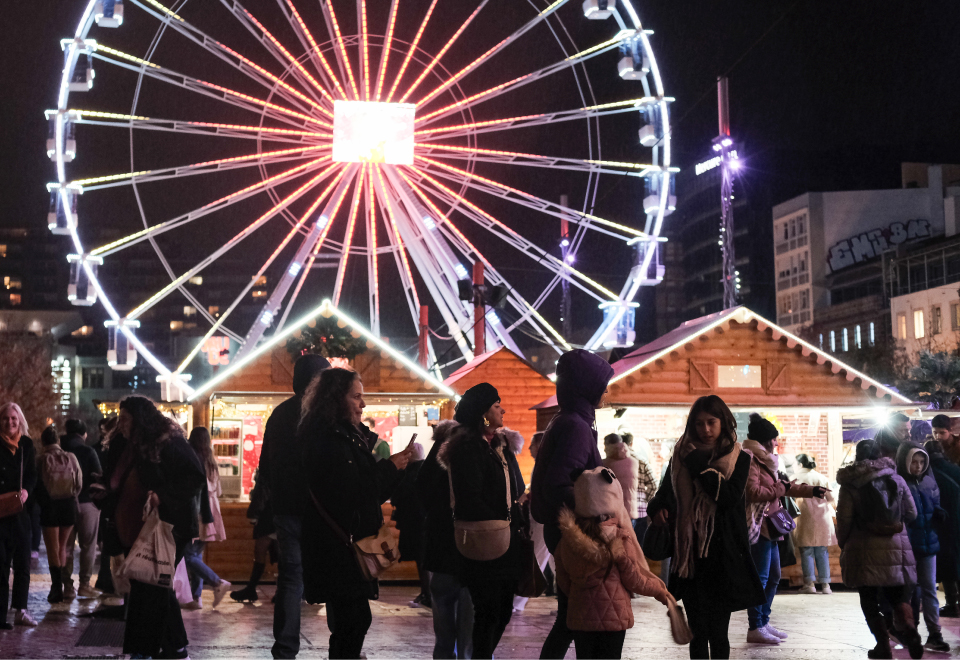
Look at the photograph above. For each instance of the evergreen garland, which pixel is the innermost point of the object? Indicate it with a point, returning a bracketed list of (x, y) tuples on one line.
[(325, 337)]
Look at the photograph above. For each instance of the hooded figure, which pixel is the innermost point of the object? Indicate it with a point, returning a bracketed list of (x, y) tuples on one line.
[(570, 441), (926, 496)]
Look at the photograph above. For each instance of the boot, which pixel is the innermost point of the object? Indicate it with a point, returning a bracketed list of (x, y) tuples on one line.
[(56, 588), (66, 575), (911, 638), (879, 630), (249, 592)]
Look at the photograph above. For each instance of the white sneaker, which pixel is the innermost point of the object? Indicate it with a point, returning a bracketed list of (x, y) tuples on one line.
[(86, 591), (825, 589), (23, 618), (775, 632), (761, 636), (807, 588), (220, 591)]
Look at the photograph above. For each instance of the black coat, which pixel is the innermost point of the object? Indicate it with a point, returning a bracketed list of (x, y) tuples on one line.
[(479, 488), (350, 485), (178, 480), (88, 460), (280, 459), (440, 553), (947, 475), (727, 574), (408, 514), (10, 476)]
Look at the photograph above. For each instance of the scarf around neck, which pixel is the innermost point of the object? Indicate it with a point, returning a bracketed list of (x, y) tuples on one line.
[(12, 444), (695, 508)]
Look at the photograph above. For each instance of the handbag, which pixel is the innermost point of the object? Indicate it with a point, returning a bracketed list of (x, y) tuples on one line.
[(532, 581), (10, 503), (782, 522), (482, 540), (374, 554), (658, 542)]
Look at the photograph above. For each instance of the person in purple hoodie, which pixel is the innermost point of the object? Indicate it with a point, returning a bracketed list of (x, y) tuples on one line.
[(569, 444)]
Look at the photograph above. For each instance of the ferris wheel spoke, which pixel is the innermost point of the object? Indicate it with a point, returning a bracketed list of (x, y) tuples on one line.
[(348, 237), (263, 269), (310, 45), (534, 160), (230, 244), (516, 83), (527, 121), (465, 247), (223, 202), (410, 51), (436, 60), (340, 50), (207, 167), (533, 202), (387, 47), (275, 48), (364, 49), (543, 15), (511, 237), (373, 270)]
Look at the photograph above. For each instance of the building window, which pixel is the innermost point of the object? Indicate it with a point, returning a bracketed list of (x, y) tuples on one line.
[(873, 335), (189, 311), (902, 325), (919, 330), (936, 320), (261, 281), (214, 311), (955, 316), (3, 250), (805, 299), (259, 293), (739, 375), (176, 325), (92, 378), (83, 331), (803, 261), (833, 341), (846, 342), (196, 279), (12, 283), (15, 299), (801, 229), (821, 341), (856, 338)]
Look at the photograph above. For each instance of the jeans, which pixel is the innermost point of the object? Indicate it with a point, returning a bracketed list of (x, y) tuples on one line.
[(286, 611), (492, 609), (558, 641), (708, 623), (599, 643), (154, 624), (452, 617), (925, 593), (348, 619), (640, 528), (820, 555), (199, 572), (766, 557), (85, 531)]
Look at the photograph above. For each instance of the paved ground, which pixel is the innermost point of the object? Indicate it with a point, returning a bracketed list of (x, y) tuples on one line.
[(820, 627)]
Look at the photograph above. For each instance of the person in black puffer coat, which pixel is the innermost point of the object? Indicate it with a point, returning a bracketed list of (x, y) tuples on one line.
[(947, 475), (913, 464), (408, 516), (479, 461), (450, 598), (350, 485)]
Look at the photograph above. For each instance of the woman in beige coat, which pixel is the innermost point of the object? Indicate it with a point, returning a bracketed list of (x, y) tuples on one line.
[(815, 532)]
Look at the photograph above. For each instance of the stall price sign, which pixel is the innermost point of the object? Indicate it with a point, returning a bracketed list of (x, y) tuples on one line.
[(408, 416)]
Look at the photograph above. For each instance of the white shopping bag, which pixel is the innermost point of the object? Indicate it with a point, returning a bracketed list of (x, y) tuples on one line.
[(151, 559), (181, 584), (121, 585)]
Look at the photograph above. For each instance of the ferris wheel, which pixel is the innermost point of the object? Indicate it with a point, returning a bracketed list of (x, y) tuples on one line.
[(340, 135)]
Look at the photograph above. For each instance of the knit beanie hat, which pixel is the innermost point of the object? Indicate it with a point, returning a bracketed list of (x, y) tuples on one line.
[(597, 492), (474, 403), (760, 429)]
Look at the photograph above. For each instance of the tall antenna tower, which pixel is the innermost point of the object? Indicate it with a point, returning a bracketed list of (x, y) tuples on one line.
[(723, 144)]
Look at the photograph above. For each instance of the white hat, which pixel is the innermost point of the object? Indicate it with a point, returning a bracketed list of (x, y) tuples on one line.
[(597, 492)]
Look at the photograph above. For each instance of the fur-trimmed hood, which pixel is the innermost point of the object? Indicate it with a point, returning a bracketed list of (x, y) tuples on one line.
[(863, 472), (511, 440), (595, 555)]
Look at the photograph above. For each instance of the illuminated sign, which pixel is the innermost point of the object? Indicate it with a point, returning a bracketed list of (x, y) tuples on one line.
[(366, 132), (872, 243), (713, 163), (217, 350)]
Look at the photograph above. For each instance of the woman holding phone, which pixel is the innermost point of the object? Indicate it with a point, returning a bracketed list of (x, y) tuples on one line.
[(349, 484)]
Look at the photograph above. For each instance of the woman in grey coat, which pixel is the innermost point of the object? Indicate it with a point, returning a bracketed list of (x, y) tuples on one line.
[(876, 557)]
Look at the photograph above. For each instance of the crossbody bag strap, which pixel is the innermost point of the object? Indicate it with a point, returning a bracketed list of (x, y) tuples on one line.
[(347, 540), (506, 477)]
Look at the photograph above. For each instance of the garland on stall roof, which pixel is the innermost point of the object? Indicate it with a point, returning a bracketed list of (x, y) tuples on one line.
[(326, 337)]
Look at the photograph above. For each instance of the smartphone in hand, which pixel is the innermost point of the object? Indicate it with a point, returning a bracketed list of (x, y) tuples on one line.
[(413, 439)]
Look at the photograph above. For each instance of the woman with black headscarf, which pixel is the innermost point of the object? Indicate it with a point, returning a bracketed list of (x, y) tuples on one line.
[(486, 484)]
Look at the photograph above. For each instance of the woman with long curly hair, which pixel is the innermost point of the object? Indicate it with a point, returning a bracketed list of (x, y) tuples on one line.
[(702, 499), (344, 479), (155, 465)]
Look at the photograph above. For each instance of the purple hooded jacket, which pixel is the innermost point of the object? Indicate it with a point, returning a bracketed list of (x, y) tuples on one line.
[(570, 441)]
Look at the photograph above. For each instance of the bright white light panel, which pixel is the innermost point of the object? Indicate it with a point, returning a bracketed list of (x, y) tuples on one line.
[(366, 132)]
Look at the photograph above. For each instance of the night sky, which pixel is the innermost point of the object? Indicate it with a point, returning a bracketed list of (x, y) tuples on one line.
[(871, 83)]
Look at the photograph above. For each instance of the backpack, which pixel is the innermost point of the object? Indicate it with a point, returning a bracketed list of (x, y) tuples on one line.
[(61, 475), (880, 507)]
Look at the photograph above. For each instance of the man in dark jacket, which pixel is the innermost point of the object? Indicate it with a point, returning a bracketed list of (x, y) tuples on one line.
[(280, 460), (947, 475), (88, 515), (569, 443)]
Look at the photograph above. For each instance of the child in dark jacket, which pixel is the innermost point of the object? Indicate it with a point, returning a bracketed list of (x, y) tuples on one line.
[(913, 464)]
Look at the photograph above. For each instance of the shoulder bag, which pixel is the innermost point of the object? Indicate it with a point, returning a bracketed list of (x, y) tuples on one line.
[(482, 540), (781, 520), (374, 554), (658, 542), (532, 582), (10, 503)]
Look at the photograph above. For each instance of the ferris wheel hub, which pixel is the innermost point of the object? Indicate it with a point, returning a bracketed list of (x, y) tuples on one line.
[(370, 132)]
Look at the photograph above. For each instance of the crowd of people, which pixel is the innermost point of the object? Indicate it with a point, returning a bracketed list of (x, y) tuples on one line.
[(729, 511)]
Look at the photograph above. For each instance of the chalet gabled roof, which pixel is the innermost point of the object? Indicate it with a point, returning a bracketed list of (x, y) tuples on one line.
[(476, 362)]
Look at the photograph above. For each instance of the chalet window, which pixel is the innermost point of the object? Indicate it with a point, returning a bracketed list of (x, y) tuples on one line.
[(857, 340), (846, 343), (833, 341), (902, 325), (955, 316), (739, 376), (873, 334), (936, 320), (919, 330)]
